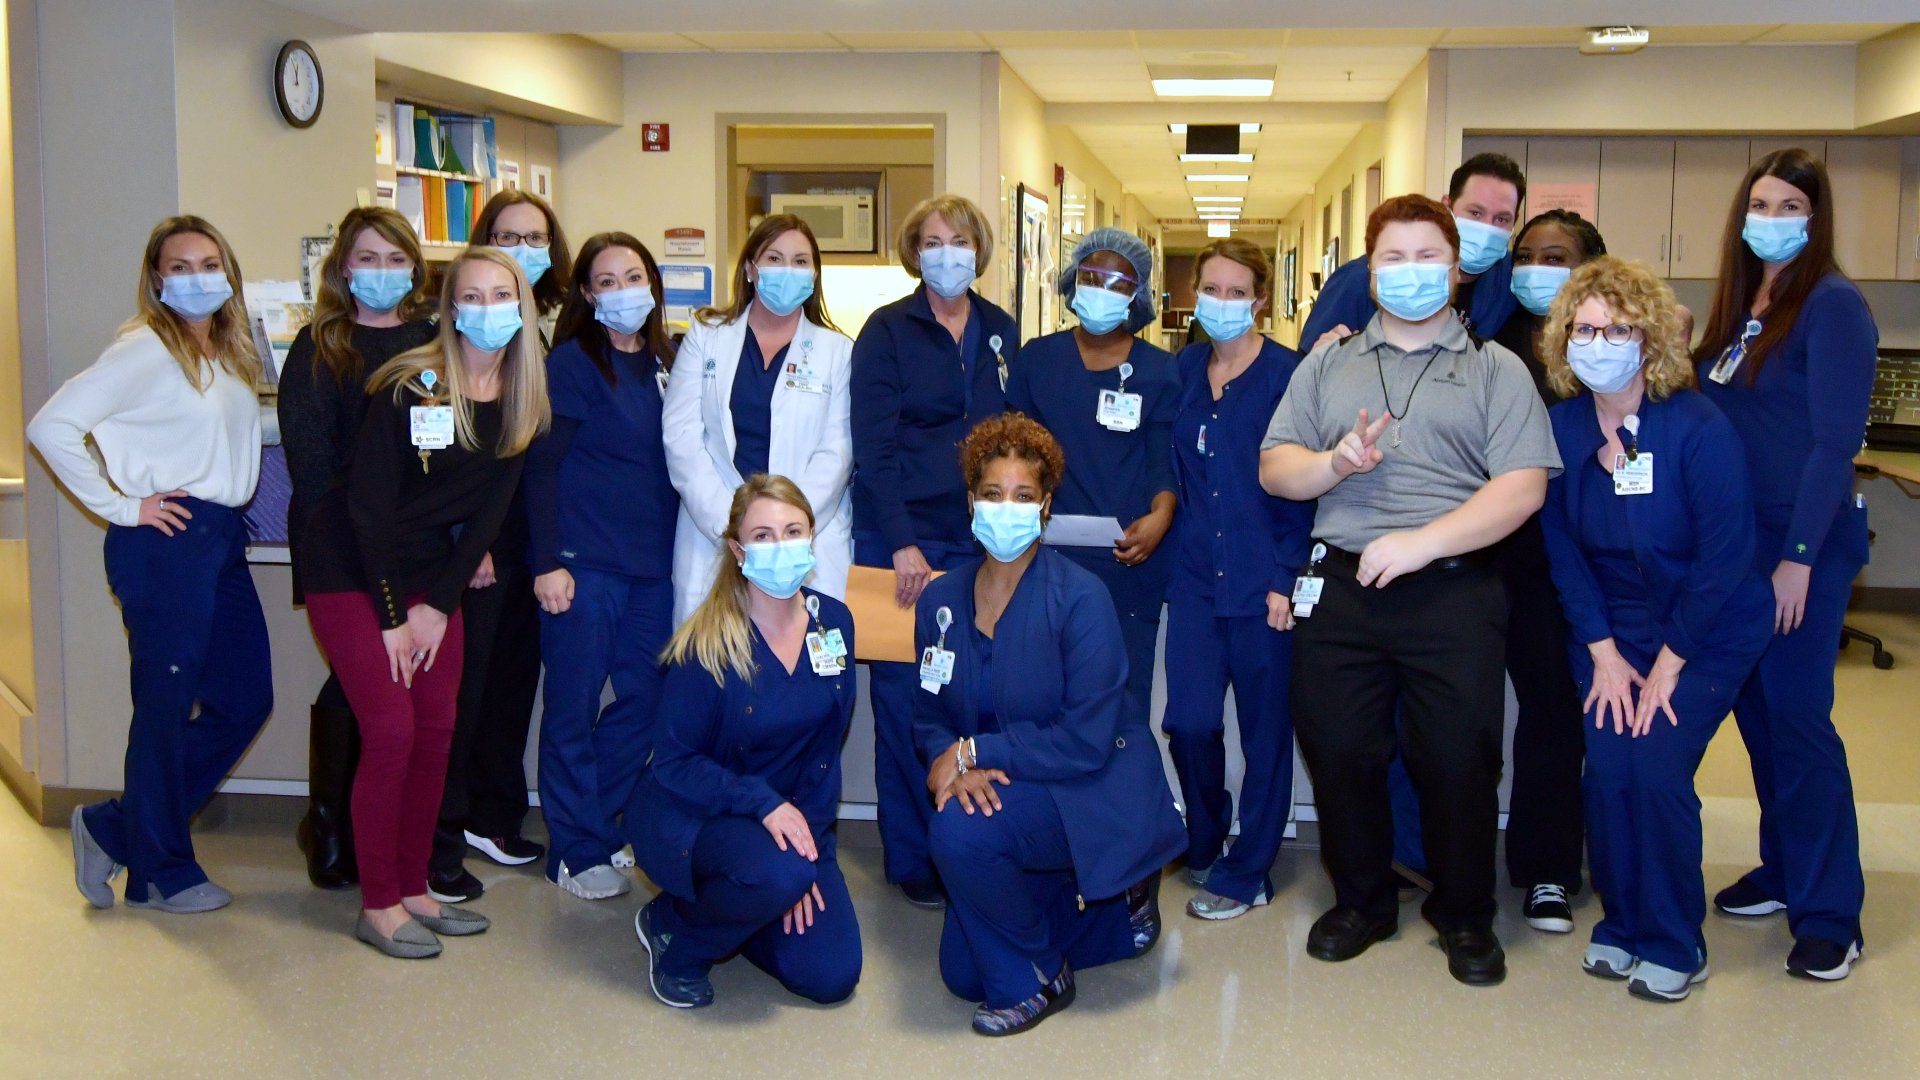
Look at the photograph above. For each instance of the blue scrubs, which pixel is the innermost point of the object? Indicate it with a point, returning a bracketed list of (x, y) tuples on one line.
[(1347, 298), (1087, 815), (1671, 568), (1112, 474), (916, 394), (600, 505), (1234, 544), (727, 754), (1801, 420), (752, 405)]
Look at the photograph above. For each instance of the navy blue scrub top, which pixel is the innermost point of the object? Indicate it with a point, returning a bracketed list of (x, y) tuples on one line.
[(752, 405), (1607, 540), (597, 490), (983, 648), (1236, 542), (1109, 473)]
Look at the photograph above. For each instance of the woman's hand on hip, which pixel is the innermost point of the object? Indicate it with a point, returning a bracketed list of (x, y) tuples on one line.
[(399, 646), (1613, 683), (801, 917), (429, 627), (911, 572), (1790, 580), (789, 826), (554, 590), (162, 513)]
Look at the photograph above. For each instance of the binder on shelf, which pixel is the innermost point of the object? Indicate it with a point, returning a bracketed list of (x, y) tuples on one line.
[(410, 200), (459, 217), (436, 190), (428, 152), (403, 151)]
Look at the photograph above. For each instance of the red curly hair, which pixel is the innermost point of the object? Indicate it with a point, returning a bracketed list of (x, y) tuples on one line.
[(1013, 435)]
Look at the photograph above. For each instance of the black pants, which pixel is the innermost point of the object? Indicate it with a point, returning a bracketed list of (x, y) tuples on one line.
[(486, 791), (1545, 822), (1435, 643)]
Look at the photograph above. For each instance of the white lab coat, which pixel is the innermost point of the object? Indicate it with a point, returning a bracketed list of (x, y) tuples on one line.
[(812, 445)]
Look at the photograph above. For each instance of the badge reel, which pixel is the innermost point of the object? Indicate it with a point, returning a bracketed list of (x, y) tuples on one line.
[(1729, 362), (994, 343), (1119, 410), (1633, 470), (1307, 587), (825, 648), (936, 660), (430, 424)]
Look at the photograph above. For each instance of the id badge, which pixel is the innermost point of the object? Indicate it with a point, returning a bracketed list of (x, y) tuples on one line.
[(1308, 586), (936, 668), (836, 644), (1118, 410), (1201, 445), (802, 376), (1723, 369), (660, 379), (431, 426), (1633, 477), (820, 653)]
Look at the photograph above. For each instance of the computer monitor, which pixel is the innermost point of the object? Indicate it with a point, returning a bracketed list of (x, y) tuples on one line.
[(1893, 417)]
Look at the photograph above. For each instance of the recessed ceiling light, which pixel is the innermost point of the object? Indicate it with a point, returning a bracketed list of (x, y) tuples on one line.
[(1217, 213), (1216, 178), (1219, 229), (1245, 129), (1216, 157), (1219, 198), (1213, 87)]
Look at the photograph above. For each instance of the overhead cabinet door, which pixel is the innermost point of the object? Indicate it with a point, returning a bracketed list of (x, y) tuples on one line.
[(1705, 174), (1636, 199)]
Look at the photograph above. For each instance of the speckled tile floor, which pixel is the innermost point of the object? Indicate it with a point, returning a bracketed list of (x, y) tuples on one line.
[(275, 986)]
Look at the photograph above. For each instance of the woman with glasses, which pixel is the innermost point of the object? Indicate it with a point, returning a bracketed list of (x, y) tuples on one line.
[(1110, 399), (524, 226), (1650, 529), (1789, 355)]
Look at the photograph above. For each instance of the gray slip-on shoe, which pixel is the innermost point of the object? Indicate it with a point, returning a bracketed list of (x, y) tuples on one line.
[(410, 942), (455, 922), (205, 896), (600, 882), (93, 869)]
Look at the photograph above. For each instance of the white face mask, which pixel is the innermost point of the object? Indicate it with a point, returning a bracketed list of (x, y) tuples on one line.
[(1605, 368)]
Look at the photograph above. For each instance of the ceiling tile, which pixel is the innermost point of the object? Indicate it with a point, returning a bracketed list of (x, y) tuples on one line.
[(647, 42), (1208, 40), (1514, 35), (1827, 32), (1365, 37), (1705, 35), (771, 42), (931, 41), (1058, 39)]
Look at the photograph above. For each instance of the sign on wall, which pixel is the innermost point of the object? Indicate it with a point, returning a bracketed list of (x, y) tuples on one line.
[(654, 138), (1582, 199), (685, 241)]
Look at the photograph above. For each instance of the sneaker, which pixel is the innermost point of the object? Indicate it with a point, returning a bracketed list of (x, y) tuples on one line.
[(1143, 911), (1052, 997), (623, 859), (1214, 907), (93, 869), (600, 882), (506, 850), (455, 888), (1547, 909), (1743, 897), (671, 990), (1818, 958), (203, 897), (924, 894), (1607, 962), (1655, 983), (1198, 878)]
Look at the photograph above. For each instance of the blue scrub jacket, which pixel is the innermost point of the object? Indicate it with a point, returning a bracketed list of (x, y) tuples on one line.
[(1347, 297), (1692, 535), (707, 740), (1066, 719)]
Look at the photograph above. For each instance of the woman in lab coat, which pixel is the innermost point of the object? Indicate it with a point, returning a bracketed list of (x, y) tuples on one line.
[(761, 386)]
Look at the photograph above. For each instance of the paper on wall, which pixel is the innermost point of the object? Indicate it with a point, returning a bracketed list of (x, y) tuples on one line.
[(277, 310), (382, 136)]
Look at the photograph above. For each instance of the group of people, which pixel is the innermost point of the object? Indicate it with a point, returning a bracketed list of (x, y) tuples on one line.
[(1363, 544)]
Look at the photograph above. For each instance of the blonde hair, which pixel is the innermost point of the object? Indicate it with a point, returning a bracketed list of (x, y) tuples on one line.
[(334, 310), (229, 333), (524, 410), (1638, 296), (960, 215), (718, 635), (1236, 250)]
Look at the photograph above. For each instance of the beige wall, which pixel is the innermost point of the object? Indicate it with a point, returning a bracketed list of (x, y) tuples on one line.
[(1886, 92), (1404, 140), (834, 146), (560, 78)]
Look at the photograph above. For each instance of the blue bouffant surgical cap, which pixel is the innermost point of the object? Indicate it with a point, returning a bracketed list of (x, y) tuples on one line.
[(1129, 247)]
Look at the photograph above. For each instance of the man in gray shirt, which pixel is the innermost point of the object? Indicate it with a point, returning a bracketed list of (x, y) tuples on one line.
[(1424, 447)]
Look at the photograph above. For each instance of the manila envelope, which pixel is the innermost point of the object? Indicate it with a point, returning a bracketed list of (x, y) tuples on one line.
[(882, 629)]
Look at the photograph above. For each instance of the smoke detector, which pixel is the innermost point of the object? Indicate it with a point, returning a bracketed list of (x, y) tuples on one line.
[(1605, 40)]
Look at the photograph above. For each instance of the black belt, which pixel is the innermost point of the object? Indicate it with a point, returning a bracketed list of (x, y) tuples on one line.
[(1467, 560)]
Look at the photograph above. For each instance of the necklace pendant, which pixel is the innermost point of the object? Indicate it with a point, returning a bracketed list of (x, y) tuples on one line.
[(1393, 437)]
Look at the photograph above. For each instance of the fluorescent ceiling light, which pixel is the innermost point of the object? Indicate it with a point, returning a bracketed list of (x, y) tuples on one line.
[(1218, 229), (1219, 198), (1245, 129), (1216, 157), (1205, 216), (1216, 178), (1213, 87)]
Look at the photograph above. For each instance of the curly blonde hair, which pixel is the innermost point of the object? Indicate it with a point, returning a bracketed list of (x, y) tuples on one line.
[(1636, 295)]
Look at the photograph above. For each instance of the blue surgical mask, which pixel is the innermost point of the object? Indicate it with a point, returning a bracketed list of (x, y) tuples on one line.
[(1101, 311), (1481, 245), (1006, 529), (1775, 239), (779, 567), (380, 288), (1536, 286), (624, 311), (195, 296), (780, 289), (1605, 368), (1413, 291), (488, 326), (534, 261), (947, 270), (1223, 320)]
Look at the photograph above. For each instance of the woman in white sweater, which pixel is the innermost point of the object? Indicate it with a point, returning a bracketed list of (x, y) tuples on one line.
[(171, 406)]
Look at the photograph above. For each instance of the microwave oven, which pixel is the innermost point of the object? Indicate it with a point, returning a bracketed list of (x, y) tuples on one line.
[(839, 222)]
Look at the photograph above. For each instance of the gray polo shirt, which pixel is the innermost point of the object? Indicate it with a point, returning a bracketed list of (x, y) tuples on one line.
[(1474, 416)]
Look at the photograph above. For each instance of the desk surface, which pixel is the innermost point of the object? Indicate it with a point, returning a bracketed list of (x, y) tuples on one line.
[(1894, 463)]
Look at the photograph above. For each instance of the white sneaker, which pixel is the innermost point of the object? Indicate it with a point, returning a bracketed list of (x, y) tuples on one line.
[(1655, 983), (623, 859), (1607, 962), (600, 882)]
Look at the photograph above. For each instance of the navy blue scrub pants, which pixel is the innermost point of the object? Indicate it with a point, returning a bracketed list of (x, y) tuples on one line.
[(1013, 910), (899, 776), (591, 757), (196, 634), (1138, 594), (743, 884), (1643, 816), (1809, 836), (1209, 653)]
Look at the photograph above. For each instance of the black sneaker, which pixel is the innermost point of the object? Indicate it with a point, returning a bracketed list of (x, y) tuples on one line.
[(1547, 909), (457, 887), (1818, 958), (1745, 898), (671, 990), (1052, 997), (924, 894), (1143, 911), (506, 850)]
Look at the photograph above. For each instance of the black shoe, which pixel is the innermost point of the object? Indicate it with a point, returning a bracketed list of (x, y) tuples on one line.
[(1344, 933), (1475, 957), (1743, 897), (925, 894), (325, 834), (1818, 958), (457, 887), (1143, 911), (1052, 997), (1547, 909), (505, 850)]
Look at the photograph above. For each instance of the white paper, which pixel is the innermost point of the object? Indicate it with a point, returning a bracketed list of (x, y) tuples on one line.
[(543, 182), (509, 174), (1082, 530), (382, 137)]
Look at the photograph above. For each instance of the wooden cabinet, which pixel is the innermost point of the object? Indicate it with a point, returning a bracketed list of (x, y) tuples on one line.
[(1635, 209), (1705, 174), (1865, 173), (1759, 148)]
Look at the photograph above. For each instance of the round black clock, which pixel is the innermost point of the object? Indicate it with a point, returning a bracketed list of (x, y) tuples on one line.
[(298, 87)]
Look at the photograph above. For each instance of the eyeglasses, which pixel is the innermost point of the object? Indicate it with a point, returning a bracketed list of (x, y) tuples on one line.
[(514, 239), (1111, 280), (1615, 333)]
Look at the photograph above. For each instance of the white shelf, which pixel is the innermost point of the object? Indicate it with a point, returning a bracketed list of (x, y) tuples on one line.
[(411, 170)]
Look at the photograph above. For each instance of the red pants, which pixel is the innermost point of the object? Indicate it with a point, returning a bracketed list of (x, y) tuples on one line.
[(404, 738)]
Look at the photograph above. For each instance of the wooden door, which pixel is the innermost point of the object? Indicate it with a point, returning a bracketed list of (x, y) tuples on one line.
[(1636, 200), (1866, 199), (1706, 173)]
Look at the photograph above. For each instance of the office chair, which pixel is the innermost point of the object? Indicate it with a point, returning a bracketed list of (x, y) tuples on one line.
[(1882, 659)]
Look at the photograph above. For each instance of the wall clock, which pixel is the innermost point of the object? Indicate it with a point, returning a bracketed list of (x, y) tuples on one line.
[(298, 87)]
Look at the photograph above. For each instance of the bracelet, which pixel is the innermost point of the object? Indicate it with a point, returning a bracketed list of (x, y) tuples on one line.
[(960, 757), (973, 753)]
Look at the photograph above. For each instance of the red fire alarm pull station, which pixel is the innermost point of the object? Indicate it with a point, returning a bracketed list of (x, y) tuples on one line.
[(654, 137)]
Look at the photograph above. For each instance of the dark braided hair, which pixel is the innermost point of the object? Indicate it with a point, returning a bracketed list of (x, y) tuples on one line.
[(1591, 246)]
